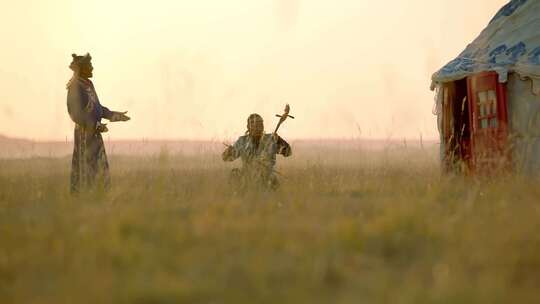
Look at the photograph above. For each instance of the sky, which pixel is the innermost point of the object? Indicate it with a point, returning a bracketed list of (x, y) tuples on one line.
[(196, 69)]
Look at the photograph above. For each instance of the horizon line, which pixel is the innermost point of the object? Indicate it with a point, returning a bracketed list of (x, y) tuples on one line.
[(157, 139)]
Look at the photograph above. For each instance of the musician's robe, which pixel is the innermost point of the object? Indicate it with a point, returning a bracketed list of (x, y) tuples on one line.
[(258, 159)]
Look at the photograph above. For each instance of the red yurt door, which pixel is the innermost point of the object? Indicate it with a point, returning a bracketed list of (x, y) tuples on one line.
[(489, 122)]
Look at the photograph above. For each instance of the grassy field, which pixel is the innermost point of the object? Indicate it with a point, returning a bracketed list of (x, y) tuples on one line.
[(347, 226)]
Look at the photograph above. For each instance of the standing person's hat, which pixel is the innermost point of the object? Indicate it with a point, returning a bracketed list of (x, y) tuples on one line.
[(79, 61)]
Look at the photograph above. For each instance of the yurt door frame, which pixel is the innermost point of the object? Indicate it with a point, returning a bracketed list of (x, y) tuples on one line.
[(488, 113)]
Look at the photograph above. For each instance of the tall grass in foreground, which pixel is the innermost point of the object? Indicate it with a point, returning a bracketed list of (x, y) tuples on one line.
[(345, 227)]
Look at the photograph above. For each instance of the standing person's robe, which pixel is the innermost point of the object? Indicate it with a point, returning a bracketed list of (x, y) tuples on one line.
[(89, 166)]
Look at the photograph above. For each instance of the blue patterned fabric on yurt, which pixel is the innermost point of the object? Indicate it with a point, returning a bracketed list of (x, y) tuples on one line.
[(510, 43)]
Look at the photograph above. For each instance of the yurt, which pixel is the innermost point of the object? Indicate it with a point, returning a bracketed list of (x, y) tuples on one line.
[(488, 98)]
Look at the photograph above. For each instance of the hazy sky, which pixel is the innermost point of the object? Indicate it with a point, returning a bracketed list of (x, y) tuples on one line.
[(197, 69)]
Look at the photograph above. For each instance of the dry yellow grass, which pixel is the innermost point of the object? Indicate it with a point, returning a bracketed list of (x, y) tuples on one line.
[(347, 226)]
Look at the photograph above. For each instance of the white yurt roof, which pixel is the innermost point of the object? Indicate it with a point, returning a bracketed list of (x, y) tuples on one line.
[(510, 43)]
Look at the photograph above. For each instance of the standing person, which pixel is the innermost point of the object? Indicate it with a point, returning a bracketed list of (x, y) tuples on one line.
[(89, 166), (258, 153)]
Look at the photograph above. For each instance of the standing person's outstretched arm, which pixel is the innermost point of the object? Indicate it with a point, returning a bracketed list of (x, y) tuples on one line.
[(115, 116)]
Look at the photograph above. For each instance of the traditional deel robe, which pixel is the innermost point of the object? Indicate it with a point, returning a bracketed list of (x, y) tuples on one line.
[(258, 161), (89, 166)]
